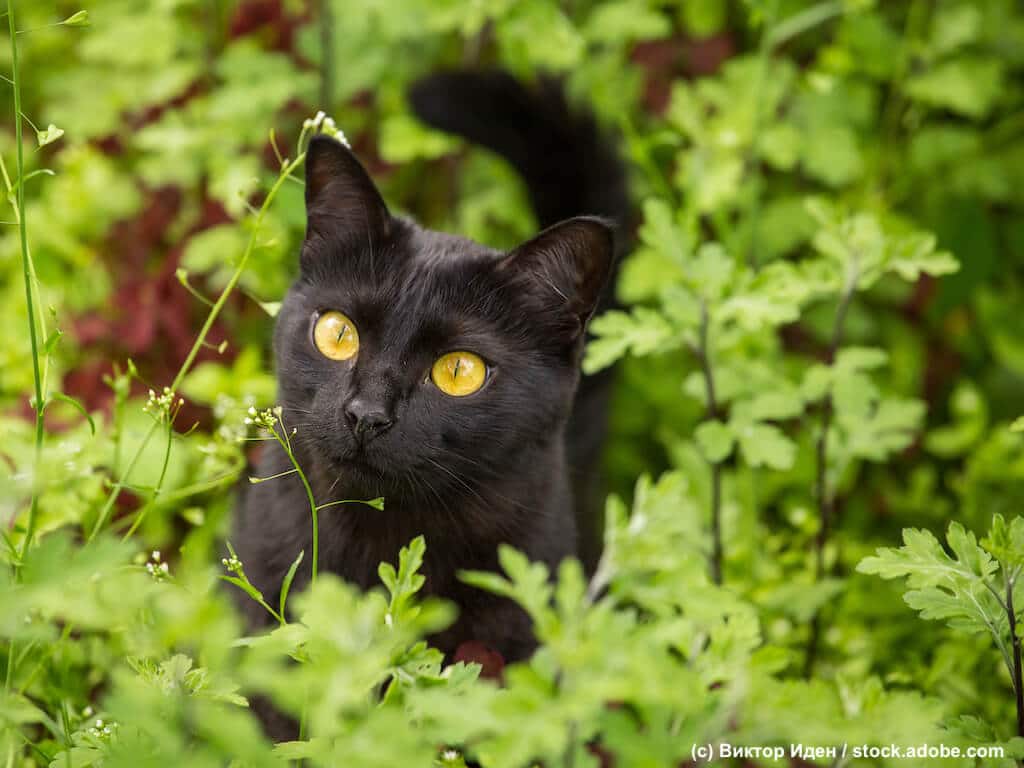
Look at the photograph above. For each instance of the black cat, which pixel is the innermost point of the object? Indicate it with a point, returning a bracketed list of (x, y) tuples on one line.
[(439, 373)]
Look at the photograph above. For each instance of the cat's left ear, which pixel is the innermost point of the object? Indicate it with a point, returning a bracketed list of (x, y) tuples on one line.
[(340, 195), (566, 265)]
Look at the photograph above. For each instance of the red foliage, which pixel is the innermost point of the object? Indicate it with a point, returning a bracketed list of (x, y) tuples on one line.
[(150, 317), (491, 662), (268, 20), (680, 56)]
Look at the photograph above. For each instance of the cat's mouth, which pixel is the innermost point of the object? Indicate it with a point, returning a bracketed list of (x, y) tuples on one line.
[(359, 474)]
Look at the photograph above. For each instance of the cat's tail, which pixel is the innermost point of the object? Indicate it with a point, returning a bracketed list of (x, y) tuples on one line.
[(570, 166)]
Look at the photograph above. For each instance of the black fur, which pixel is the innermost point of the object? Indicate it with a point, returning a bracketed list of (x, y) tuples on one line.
[(468, 473)]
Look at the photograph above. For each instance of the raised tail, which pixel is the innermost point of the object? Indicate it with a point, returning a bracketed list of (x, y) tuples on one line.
[(569, 166)]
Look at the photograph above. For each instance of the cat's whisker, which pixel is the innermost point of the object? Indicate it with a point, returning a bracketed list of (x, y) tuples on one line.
[(464, 484), (457, 526), (497, 471), (334, 485)]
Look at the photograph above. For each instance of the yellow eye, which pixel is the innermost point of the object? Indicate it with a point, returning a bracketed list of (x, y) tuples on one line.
[(459, 373), (336, 336)]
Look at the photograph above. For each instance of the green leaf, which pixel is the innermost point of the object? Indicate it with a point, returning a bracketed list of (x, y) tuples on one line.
[(710, 271), (50, 135), (662, 233), (715, 440), (623, 22), (644, 331), (539, 35), (852, 358), (404, 139), (969, 85), (1006, 541), (270, 307), (967, 425), (245, 586), (286, 585), (765, 445), (915, 254), (831, 153), (880, 429), (50, 345), (18, 710), (77, 19), (784, 404), (941, 586), (404, 583)]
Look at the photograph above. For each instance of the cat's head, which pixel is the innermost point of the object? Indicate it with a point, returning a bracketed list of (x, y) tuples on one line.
[(417, 363)]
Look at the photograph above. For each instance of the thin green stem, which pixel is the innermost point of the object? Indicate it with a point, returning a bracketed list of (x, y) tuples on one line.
[(200, 341), (754, 159), (801, 22), (343, 501), (211, 318), (273, 477), (159, 483), (1017, 672), (704, 356), (326, 27), (9, 676), (286, 443), (196, 489), (895, 99), (825, 496), (120, 485), (28, 272)]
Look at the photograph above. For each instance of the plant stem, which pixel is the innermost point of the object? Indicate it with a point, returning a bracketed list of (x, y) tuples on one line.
[(895, 98), (1018, 683), (200, 341), (754, 159), (824, 495), (286, 443), (326, 53), (218, 305), (159, 483), (704, 355), (801, 22), (27, 271)]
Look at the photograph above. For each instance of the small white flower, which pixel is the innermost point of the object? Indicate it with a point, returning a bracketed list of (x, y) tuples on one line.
[(160, 571)]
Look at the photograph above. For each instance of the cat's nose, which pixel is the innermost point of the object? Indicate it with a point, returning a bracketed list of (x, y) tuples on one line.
[(367, 419)]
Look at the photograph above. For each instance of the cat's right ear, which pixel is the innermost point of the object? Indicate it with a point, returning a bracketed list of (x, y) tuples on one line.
[(341, 198)]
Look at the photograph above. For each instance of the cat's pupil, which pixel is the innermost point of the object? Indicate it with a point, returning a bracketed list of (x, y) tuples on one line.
[(341, 334), (455, 371)]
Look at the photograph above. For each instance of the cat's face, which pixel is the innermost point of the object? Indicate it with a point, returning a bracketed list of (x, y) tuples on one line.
[(418, 364)]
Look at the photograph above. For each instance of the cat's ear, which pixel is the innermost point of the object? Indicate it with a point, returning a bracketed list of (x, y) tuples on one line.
[(340, 195), (566, 266)]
